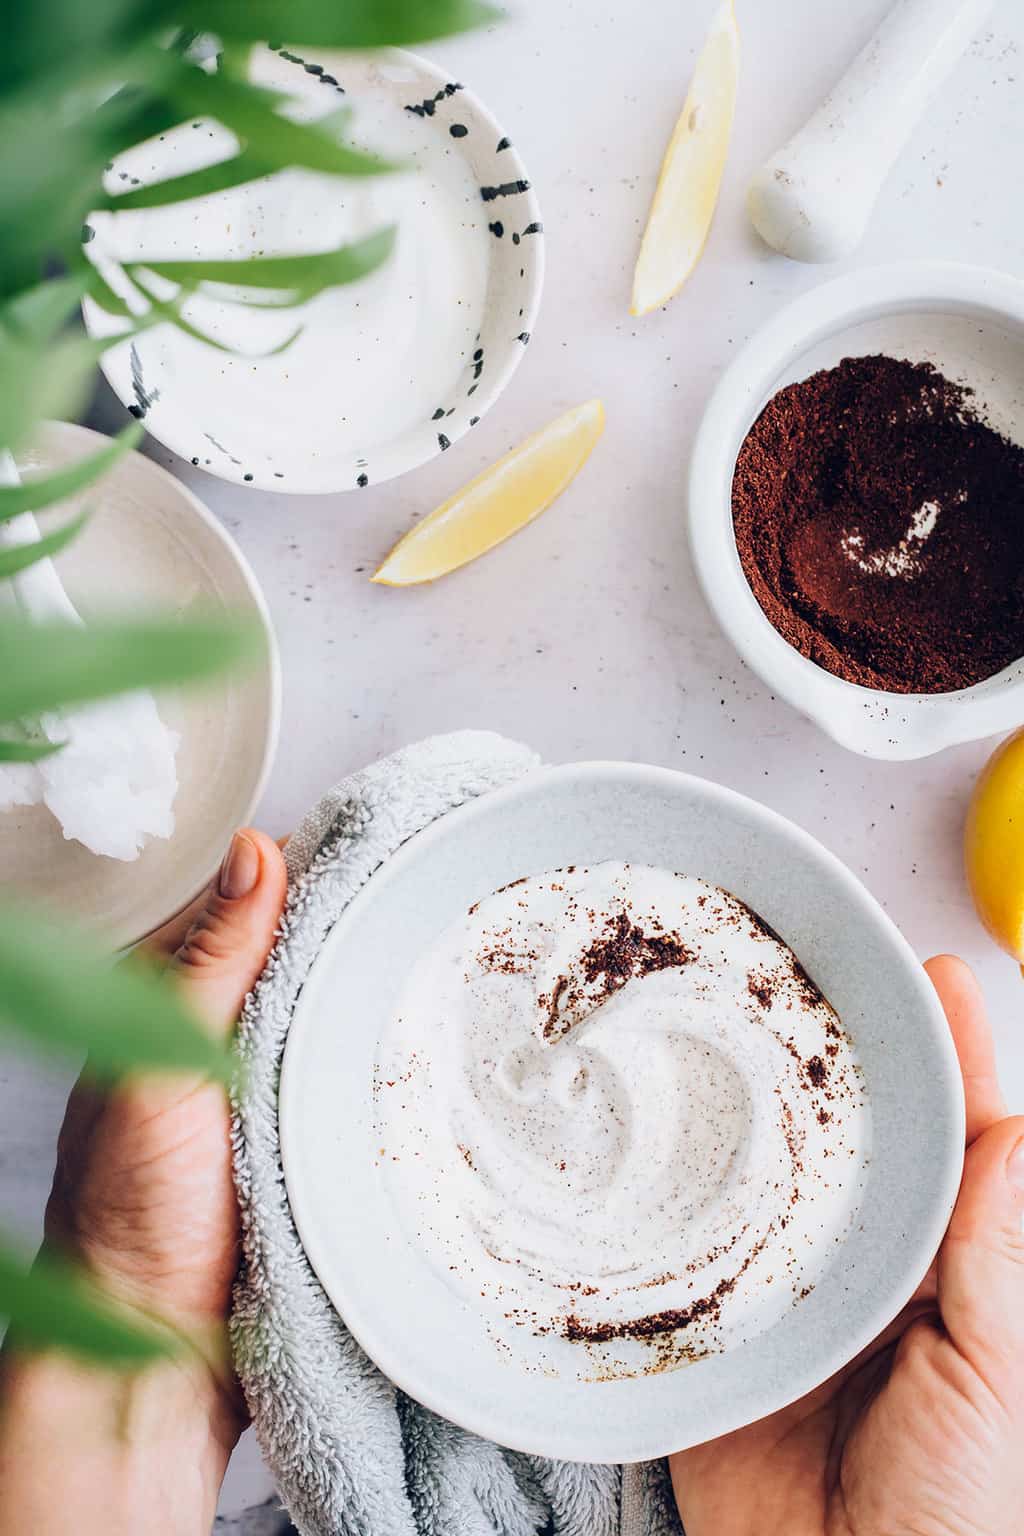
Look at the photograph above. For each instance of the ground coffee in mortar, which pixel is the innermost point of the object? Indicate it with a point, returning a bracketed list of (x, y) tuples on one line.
[(880, 524)]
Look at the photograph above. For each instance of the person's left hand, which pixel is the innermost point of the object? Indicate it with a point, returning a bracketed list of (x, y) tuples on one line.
[(143, 1192), (143, 1199)]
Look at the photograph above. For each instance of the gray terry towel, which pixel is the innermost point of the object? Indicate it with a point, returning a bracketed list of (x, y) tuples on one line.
[(352, 1455)]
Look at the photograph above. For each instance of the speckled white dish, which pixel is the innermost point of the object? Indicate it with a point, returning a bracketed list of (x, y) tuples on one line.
[(422, 1332), (150, 546), (387, 372), (968, 322)]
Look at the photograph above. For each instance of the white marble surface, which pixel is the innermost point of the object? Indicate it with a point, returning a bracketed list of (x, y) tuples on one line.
[(586, 635)]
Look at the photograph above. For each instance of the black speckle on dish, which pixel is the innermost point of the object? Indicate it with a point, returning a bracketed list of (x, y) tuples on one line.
[(438, 413), (247, 476), (443, 442), (478, 354), (88, 233), (497, 228), (450, 411), (503, 144), (144, 397), (536, 228), (505, 189), (362, 480), (524, 337), (311, 69), (278, 475), (471, 391), (516, 237), (458, 130), (196, 463), (473, 420), (428, 107), (221, 449)]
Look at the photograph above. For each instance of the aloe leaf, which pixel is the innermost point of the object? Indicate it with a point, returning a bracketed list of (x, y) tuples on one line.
[(28, 751), (52, 1305), (18, 557), (302, 275), (104, 297), (327, 24), (221, 177), (45, 665), (279, 141), (38, 313), (36, 383), (33, 495), (60, 991)]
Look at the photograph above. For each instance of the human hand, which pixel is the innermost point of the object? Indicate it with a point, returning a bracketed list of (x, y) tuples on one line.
[(143, 1199), (143, 1193), (922, 1434)]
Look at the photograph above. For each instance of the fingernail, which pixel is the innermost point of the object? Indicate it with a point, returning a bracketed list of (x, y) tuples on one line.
[(1015, 1166), (240, 869)]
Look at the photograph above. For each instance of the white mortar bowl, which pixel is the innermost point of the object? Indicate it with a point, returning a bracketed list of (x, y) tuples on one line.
[(968, 322)]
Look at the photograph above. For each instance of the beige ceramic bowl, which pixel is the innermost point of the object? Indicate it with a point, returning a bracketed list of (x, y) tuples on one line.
[(151, 545)]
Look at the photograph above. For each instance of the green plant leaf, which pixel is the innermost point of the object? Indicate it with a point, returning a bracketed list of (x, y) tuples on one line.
[(101, 293), (28, 751), (248, 111), (302, 275), (18, 557), (60, 992), (45, 665), (50, 1304), (39, 382), (221, 177), (328, 24), (38, 313), (33, 495)]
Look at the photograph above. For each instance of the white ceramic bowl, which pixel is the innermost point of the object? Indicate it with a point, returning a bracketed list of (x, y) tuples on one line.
[(969, 322), (330, 413), (151, 546), (423, 1334)]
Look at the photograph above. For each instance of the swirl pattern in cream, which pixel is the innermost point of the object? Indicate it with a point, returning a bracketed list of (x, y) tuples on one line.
[(621, 1119)]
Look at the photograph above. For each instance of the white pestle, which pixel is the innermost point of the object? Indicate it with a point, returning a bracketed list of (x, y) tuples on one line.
[(112, 786), (812, 200)]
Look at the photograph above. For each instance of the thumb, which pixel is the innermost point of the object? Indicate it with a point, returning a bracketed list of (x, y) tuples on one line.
[(227, 945), (981, 1262)]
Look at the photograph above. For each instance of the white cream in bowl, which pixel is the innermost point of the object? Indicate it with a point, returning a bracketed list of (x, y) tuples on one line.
[(614, 1110)]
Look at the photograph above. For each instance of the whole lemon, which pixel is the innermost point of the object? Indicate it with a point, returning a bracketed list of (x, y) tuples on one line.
[(994, 845)]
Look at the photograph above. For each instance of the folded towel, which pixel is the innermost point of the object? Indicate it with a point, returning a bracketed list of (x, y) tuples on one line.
[(352, 1455)]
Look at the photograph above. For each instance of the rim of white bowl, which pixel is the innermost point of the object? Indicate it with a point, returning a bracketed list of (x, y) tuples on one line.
[(865, 720), (89, 439), (500, 1423), (119, 377)]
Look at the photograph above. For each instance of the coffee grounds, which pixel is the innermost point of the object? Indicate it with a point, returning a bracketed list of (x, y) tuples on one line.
[(880, 524)]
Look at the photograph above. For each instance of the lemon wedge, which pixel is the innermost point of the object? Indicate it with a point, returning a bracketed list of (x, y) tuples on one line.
[(994, 845), (691, 172), (497, 503)]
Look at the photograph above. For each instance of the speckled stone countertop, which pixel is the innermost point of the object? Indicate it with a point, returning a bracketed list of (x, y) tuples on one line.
[(586, 635)]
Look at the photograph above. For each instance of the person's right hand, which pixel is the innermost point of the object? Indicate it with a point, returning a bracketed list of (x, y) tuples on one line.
[(923, 1434)]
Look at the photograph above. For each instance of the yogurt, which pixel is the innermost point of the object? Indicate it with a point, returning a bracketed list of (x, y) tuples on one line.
[(621, 1119)]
